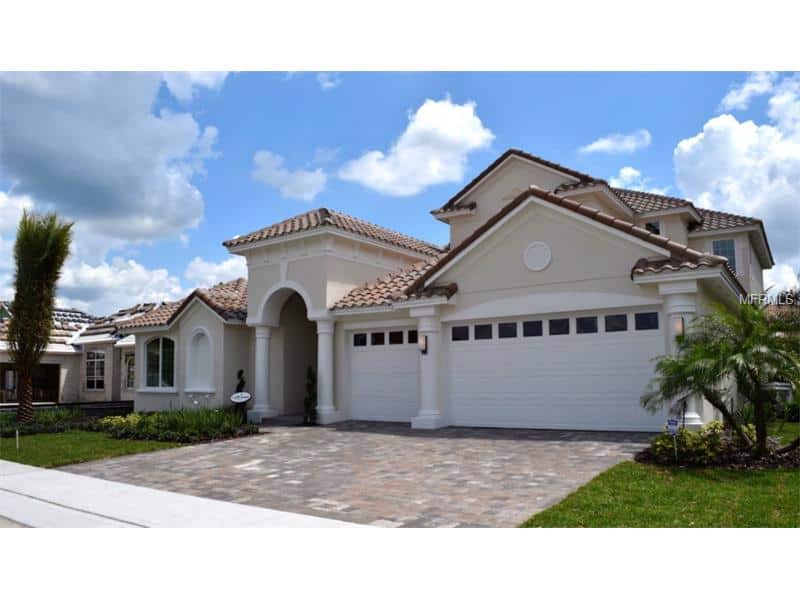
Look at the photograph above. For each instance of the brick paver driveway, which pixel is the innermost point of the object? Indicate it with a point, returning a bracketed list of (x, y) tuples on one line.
[(384, 474)]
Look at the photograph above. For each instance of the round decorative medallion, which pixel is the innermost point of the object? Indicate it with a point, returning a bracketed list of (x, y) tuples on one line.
[(537, 256)]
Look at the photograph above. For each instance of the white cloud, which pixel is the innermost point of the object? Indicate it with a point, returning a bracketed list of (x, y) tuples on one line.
[(751, 169), (756, 84), (300, 184), (328, 81), (779, 278), (90, 146), (202, 273), (617, 143), (324, 156), (184, 84), (11, 207), (632, 179), (432, 150), (109, 286)]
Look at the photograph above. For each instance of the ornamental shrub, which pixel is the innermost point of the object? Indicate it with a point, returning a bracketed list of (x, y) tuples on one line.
[(183, 426), (702, 447)]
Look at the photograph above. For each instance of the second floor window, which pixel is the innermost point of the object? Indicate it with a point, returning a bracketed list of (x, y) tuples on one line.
[(95, 370), (727, 249), (160, 370)]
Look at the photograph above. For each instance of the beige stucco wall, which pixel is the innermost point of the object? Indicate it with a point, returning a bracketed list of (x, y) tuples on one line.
[(748, 268), (237, 354)]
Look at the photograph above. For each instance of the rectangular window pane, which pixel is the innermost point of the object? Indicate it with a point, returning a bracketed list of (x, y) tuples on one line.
[(532, 328), (726, 248), (167, 362), (99, 384), (377, 338), (586, 325), (507, 330), (360, 339), (616, 323), (153, 352), (412, 336), (89, 369), (395, 337), (460, 333), (648, 320), (483, 332), (559, 326)]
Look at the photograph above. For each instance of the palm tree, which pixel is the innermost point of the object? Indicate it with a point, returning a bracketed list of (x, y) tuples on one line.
[(41, 247), (746, 346)]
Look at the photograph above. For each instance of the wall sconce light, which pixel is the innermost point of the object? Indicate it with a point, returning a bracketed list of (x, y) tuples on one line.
[(678, 326), (422, 344)]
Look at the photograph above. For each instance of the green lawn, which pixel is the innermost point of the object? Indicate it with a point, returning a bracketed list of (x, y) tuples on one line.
[(637, 495), (786, 431), (57, 449)]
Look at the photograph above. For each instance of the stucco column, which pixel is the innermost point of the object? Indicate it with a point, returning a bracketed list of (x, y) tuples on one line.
[(429, 331), (261, 406), (326, 411), (680, 308)]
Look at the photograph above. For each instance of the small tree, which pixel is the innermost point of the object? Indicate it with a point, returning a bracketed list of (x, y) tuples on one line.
[(744, 345), (41, 247), (310, 401)]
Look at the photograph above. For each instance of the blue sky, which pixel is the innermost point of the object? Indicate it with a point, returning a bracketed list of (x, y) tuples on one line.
[(82, 144)]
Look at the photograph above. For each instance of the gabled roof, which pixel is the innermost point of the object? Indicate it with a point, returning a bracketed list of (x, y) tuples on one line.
[(228, 300), (393, 287), (324, 217), (452, 202), (108, 327), (679, 252)]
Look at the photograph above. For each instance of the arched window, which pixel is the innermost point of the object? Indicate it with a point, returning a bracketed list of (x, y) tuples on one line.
[(199, 368), (160, 368)]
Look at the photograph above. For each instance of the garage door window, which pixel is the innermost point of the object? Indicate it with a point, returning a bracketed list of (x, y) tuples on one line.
[(648, 320), (616, 323), (412, 336), (532, 328), (483, 332), (395, 337), (586, 325), (360, 339), (559, 326), (460, 333), (507, 330), (377, 338)]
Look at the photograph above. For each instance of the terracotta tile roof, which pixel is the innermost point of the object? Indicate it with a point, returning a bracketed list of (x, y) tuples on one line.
[(714, 219), (678, 251), (66, 322), (393, 287), (228, 300), (451, 203), (644, 202), (322, 217), (110, 325)]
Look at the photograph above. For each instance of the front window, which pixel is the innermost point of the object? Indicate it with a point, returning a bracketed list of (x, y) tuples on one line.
[(160, 363), (95, 370), (130, 371), (726, 248)]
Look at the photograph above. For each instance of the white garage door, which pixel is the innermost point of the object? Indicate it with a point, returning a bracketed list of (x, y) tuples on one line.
[(524, 373), (384, 375)]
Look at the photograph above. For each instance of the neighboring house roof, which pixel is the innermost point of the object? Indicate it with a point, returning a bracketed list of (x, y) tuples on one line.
[(228, 300), (583, 178), (108, 328), (324, 217), (679, 252), (393, 287), (66, 322)]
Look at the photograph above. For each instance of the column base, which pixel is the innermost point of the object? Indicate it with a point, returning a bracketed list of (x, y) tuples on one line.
[(256, 415), (326, 416), (691, 420), (427, 421)]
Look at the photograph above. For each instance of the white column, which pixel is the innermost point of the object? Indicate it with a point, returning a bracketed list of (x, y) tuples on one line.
[(680, 308), (261, 406), (326, 411), (430, 412)]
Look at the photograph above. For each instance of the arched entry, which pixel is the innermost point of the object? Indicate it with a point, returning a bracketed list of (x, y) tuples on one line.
[(298, 337)]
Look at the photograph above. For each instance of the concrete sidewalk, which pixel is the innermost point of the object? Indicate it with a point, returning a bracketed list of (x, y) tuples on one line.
[(47, 498)]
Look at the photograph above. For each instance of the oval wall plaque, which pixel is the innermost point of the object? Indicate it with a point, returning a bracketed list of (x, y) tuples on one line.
[(537, 256)]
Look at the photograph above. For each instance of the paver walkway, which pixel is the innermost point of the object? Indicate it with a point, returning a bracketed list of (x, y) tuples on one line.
[(383, 474)]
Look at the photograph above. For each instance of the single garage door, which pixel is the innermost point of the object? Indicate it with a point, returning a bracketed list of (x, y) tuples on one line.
[(384, 375), (565, 372)]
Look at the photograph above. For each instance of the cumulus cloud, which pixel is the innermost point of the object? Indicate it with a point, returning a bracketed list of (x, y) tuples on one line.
[(328, 81), (618, 143), (632, 179), (203, 273), (300, 184), (11, 207), (111, 285), (433, 149), (739, 96), (751, 169), (184, 84), (90, 146)]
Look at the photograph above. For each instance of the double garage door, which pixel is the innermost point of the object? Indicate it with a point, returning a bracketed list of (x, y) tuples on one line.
[(586, 372)]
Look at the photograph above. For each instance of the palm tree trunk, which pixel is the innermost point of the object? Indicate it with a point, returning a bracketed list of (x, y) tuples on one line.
[(25, 398)]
